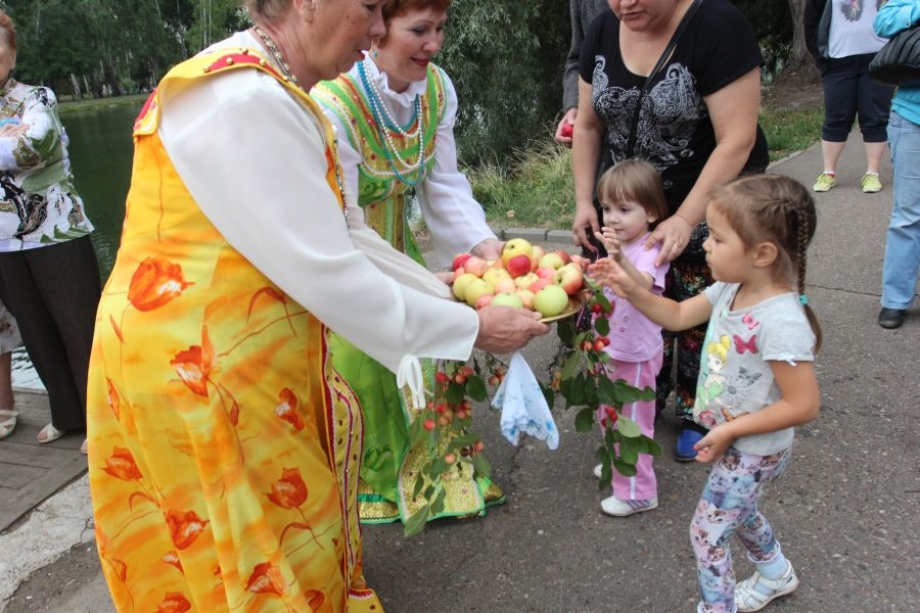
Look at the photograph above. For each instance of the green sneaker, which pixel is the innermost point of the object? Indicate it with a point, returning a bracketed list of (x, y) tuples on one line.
[(825, 182), (870, 183)]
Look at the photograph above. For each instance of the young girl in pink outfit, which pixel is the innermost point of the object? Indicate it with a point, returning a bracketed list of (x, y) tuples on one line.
[(633, 202)]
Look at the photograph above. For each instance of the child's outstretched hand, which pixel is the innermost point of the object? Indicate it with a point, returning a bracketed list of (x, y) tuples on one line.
[(611, 243), (608, 273), (713, 445)]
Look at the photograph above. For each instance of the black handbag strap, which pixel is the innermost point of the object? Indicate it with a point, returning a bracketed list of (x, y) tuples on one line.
[(665, 55)]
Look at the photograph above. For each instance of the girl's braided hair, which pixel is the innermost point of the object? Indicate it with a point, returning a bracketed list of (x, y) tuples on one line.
[(778, 210)]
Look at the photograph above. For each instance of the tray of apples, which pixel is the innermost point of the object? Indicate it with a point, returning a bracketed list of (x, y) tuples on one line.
[(526, 277)]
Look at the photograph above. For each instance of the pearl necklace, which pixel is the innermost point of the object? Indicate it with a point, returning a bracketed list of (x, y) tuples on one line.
[(279, 59), (414, 172)]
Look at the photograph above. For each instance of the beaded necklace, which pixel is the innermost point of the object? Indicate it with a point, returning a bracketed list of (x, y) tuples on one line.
[(382, 115), (286, 71)]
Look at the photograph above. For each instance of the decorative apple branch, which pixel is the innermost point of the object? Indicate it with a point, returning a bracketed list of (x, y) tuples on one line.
[(582, 376), (442, 429)]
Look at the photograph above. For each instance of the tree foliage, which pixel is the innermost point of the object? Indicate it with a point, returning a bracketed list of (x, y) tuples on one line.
[(505, 56)]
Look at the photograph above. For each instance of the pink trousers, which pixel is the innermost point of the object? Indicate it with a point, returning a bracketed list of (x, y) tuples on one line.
[(644, 485)]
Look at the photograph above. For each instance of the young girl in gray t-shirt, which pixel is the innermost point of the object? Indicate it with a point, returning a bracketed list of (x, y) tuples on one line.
[(757, 379)]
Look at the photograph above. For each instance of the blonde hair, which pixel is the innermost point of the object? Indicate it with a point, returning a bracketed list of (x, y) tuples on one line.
[(720, 347), (773, 209), (637, 181)]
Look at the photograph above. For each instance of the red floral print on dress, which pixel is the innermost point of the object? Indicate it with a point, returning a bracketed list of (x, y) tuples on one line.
[(290, 491), (174, 602), (265, 579), (185, 527), (287, 409), (156, 282), (194, 365), (121, 465)]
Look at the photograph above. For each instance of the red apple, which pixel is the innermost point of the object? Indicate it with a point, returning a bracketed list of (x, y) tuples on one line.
[(545, 273), (566, 258), (459, 259), (567, 130), (518, 265), (475, 265), (483, 301), (539, 284), (526, 297), (538, 252), (570, 278)]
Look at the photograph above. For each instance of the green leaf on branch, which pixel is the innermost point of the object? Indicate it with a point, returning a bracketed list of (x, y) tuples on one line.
[(455, 393), (476, 388), (629, 450), (435, 468), (608, 393), (627, 394), (436, 506), (571, 365), (464, 440), (602, 326), (416, 523), (627, 470), (628, 428), (649, 446), (482, 466), (584, 421)]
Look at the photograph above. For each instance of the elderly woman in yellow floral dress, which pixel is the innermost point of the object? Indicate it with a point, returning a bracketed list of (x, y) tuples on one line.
[(223, 447)]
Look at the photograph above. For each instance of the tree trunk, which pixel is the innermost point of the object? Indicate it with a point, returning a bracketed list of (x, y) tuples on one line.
[(799, 53), (799, 68)]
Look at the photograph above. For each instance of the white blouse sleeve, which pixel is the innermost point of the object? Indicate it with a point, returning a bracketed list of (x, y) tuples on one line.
[(455, 219), (254, 161)]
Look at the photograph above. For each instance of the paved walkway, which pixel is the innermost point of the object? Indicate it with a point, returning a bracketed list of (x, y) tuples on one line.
[(846, 511)]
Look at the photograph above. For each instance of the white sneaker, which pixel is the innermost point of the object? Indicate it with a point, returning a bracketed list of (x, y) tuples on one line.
[(756, 592), (623, 508), (597, 471)]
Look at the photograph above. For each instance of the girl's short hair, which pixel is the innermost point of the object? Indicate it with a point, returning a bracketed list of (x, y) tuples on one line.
[(8, 32), (778, 210), (637, 181)]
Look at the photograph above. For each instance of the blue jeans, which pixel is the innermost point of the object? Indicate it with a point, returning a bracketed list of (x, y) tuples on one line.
[(902, 244)]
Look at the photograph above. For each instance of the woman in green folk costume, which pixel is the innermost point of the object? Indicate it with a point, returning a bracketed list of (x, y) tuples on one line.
[(394, 113)]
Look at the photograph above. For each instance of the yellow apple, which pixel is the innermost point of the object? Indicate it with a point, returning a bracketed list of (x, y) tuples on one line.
[(516, 246), (475, 289), (461, 283)]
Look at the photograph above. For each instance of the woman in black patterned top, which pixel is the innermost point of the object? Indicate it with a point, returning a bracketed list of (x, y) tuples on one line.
[(697, 125)]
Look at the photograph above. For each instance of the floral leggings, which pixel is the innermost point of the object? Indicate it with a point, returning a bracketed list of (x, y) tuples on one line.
[(727, 507)]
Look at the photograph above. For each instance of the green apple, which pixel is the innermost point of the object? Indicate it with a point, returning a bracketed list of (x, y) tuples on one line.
[(506, 299), (551, 300)]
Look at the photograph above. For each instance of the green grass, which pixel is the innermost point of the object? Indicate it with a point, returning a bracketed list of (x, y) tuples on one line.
[(69, 105), (536, 189)]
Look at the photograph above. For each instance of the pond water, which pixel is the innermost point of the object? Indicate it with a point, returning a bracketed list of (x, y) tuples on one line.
[(101, 152)]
